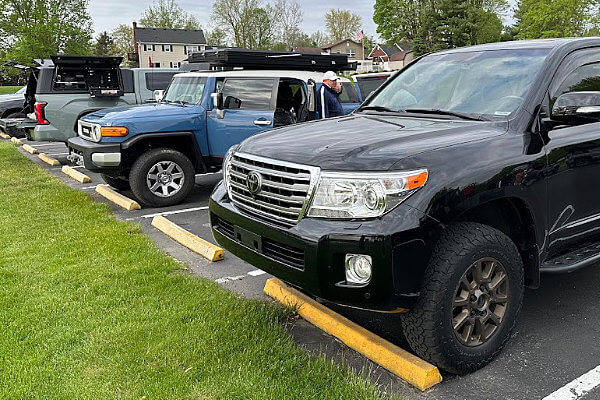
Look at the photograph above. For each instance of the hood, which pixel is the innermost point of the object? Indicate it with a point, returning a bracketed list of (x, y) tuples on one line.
[(141, 111), (365, 142)]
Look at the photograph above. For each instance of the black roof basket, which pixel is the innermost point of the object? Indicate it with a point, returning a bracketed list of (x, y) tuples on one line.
[(230, 58)]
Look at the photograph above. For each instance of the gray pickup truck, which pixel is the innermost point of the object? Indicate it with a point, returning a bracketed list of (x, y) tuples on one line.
[(76, 86)]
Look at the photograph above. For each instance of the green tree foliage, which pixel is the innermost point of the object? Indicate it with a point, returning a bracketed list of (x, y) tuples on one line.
[(342, 24), (169, 15), (41, 28), (104, 45), (246, 23), (439, 24), (556, 18), (216, 37)]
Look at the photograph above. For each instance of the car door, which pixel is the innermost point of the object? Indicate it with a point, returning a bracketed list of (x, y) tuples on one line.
[(573, 152), (249, 108)]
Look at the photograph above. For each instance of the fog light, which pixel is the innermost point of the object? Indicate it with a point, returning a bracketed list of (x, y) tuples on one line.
[(358, 268)]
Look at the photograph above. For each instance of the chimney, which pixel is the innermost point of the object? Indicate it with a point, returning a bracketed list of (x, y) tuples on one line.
[(135, 46)]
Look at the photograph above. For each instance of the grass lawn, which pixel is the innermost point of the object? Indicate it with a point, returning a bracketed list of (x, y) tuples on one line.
[(9, 89), (91, 309)]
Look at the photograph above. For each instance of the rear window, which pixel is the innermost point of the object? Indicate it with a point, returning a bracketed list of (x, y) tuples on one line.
[(369, 84), (158, 80), (349, 93)]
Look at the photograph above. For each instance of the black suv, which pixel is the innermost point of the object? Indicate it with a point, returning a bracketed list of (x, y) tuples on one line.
[(443, 196)]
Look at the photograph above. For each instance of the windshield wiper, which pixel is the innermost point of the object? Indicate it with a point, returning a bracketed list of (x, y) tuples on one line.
[(460, 115), (379, 108)]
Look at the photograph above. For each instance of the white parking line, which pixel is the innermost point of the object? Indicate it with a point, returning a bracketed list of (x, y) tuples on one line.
[(57, 154), (230, 278), (256, 272), (48, 145), (578, 387), (88, 187), (175, 212)]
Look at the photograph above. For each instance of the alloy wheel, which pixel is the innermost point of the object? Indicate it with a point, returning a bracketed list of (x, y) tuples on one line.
[(165, 178), (480, 302)]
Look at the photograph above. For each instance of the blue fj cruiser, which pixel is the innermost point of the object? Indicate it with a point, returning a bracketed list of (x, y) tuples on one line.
[(156, 149)]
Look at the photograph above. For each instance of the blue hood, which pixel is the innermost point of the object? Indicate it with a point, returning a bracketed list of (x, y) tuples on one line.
[(119, 115)]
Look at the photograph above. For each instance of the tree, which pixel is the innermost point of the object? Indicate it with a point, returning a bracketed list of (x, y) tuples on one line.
[(104, 45), (319, 39), (122, 37), (438, 24), (287, 17), (216, 37), (555, 18), (245, 22), (168, 14), (342, 24), (41, 28)]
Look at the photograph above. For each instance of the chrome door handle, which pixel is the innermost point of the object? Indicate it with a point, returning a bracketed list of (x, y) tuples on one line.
[(262, 122)]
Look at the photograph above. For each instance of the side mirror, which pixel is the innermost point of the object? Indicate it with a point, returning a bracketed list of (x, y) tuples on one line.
[(577, 106), (158, 95), (217, 99)]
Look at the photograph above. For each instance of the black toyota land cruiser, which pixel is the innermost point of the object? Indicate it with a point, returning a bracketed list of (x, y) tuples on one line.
[(448, 191)]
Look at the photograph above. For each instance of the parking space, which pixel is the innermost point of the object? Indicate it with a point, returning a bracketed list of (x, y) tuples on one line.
[(554, 343)]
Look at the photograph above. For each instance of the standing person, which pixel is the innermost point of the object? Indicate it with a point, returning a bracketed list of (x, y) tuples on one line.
[(331, 106)]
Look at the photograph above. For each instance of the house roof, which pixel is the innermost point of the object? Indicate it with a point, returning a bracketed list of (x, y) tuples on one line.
[(160, 35), (307, 50), (330, 45), (399, 56), (389, 50)]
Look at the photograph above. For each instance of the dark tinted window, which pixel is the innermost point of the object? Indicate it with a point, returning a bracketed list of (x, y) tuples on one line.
[(583, 79), (248, 94), (370, 84), (349, 93), (158, 80)]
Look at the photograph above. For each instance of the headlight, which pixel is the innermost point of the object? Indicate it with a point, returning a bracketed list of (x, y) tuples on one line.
[(363, 195)]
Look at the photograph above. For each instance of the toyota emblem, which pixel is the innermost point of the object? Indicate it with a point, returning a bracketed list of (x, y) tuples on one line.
[(254, 182)]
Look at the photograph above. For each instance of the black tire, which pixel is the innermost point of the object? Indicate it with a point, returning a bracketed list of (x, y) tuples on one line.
[(116, 182), (139, 175), (429, 326)]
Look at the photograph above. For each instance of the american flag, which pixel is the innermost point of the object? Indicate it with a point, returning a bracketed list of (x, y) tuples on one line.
[(360, 35)]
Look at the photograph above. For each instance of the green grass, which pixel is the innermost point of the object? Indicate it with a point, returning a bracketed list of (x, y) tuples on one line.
[(91, 309), (9, 89)]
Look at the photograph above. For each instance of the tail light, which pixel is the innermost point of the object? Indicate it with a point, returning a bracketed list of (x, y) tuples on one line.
[(39, 113)]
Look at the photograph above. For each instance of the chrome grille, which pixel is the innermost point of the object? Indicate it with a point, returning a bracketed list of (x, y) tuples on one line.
[(88, 131), (284, 192)]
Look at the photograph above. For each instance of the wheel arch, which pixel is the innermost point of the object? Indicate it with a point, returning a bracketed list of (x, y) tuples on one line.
[(514, 217), (183, 142)]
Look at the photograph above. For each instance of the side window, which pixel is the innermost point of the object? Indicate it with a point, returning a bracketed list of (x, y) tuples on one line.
[(583, 79), (158, 80), (248, 94), (349, 93)]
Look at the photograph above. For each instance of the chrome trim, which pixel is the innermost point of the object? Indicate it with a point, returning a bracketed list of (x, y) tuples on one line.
[(94, 130), (302, 201)]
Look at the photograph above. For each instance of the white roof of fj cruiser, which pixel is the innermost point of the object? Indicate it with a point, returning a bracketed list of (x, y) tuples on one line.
[(240, 73)]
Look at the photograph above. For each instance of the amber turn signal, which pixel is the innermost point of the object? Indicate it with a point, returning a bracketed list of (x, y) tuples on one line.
[(114, 131), (416, 181)]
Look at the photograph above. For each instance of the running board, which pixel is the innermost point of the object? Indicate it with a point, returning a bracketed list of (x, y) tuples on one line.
[(573, 261)]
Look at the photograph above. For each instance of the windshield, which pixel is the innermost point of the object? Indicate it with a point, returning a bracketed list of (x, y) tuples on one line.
[(185, 90), (481, 83), (369, 84)]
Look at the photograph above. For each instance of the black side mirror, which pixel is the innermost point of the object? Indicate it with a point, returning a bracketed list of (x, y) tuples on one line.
[(232, 102), (577, 106)]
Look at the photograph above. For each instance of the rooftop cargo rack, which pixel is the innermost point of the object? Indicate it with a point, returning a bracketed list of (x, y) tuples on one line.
[(230, 58)]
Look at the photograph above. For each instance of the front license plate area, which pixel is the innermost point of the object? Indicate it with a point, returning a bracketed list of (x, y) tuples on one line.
[(247, 238)]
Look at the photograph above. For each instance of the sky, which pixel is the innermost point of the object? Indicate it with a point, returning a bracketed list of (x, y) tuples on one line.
[(107, 14)]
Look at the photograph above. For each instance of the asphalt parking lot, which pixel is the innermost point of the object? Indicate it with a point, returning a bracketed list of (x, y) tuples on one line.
[(555, 341)]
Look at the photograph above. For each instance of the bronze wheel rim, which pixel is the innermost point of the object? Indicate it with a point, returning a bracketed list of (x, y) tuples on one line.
[(480, 302)]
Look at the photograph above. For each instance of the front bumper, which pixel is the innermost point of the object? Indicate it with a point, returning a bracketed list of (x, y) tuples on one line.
[(97, 157), (311, 254)]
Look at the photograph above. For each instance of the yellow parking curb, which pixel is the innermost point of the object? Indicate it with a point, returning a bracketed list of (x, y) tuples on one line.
[(4, 135), (73, 173), (48, 160), (188, 239), (29, 149), (16, 141), (117, 198), (405, 365)]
